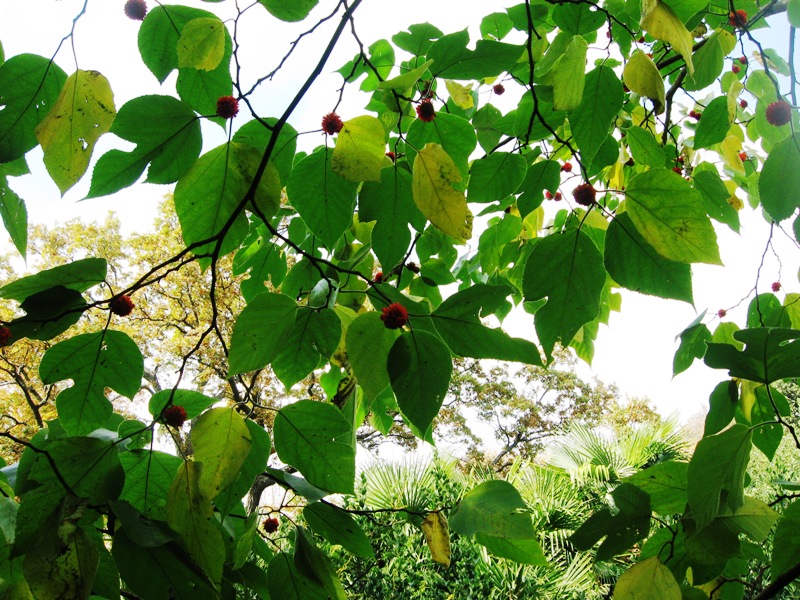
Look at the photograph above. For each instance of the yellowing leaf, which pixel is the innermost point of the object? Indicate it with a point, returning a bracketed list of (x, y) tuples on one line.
[(730, 148), (83, 112), (733, 99), (444, 207), (641, 76), (202, 44), (569, 75), (437, 534), (662, 23), (406, 80), (648, 579), (360, 150), (461, 94)]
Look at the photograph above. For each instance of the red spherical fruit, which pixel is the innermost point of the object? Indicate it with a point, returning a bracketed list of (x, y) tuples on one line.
[(121, 305), (584, 194), (641, 40), (227, 107), (391, 155), (5, 336), (425, 111), (378, 277), (681, 159), (721, 313), (776, 286), (557, 197), (270, 525), (743, 156), (548, 194), (743, 103), (499, 89), (331, 123), (412, 266), (394, 316), (738, 18), (736, 69), (779, 113), (567, 167), (678, 170), (136, 9), (174, 415), (743, 60)]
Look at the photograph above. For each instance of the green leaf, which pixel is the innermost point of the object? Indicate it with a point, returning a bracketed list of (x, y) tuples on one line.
[(786, 544), (368, 344), (793, 12), (723, 402), (258, 133), (310, 561), (765, 310), (454, 134), (210, 194), (192, 402), (496, 515), (665, 483), (578, 19), (568, 75), (647, 579), (167, 135), (431, 185), (260, 331), (89, 466), (753, 519), (770, 354), (254, 463), (602, 100), (152, 572), (221, 442), (315, 335), (15, 216), (313, 178), (360, 151), (339, 528), (29, 87), (543, 175), (709, 60), (715, 197), (714, 124), (567, 269), (79, 275), (645, 149), (780, 178), (287, 583), (457, 321), (693, 345), (419, 367), (406, 80), (82, 113), (289, 10), (452, 59), (496, 176), (94, 361), (317, 440), (719, 464), (160, 34), (148, 475), (635, 265), (418, 39), (670, 216), (202, 44), (190, 514), (642, 77), (391, 205)]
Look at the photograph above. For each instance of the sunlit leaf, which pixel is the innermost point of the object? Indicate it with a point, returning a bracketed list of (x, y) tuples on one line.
[(659, 20), (202, 44), (360, 150)]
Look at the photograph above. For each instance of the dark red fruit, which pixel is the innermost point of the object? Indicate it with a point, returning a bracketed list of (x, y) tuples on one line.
[(270, 525), (779, 113), (136, 9), (121, 305), (174, 415), (5, 336), (736, 69), (738, 18), (584, 194), (776, 287), (331, 123), (567, 167), (499, 89), (227, 107), (425, 111), (391, 155), (378, 277), (412, 266), (394, 316), (743, 103), (721, 313), (743, 60)]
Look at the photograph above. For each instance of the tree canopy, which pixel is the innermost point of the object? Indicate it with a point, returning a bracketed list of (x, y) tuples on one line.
[(374, 254)]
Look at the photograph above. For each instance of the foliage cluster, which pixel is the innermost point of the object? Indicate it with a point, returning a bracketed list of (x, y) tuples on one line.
[(378, 258)]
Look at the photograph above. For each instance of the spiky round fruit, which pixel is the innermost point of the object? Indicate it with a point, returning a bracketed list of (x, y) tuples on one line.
[(174, 415), (499, 89), (121, 305), (227, 107), (5, 336), (776, 286), (331, 123), (425, 111), (394, 316), (738, 18), (721, 313), (136, 9), (270, 525), (779, 113), (566, 167), (584, 194)]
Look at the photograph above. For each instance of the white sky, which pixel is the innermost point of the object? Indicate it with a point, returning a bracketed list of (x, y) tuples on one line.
[(635, 352)]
